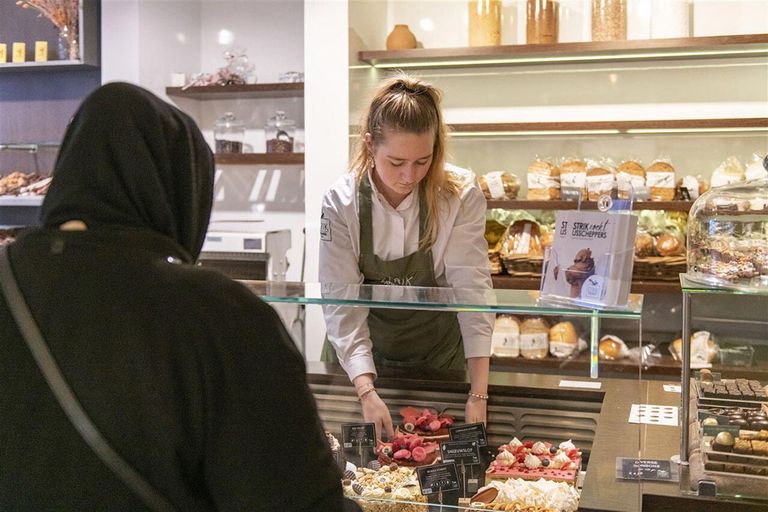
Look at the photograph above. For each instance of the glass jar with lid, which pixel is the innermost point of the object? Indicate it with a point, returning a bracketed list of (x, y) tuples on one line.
[(728, 237), (542, 22), (229, 134), (280, 132), (609, 20)]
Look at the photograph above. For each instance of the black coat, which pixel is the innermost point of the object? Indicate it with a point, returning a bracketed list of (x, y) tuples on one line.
[(191, 378)]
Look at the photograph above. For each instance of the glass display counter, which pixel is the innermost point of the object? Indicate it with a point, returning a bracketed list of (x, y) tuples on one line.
[(724, 424), (533, 417)]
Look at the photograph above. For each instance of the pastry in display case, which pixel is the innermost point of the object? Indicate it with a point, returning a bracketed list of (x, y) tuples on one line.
[(388, 487), (728, 237), (531, 460), (426, 423), (408, 450)]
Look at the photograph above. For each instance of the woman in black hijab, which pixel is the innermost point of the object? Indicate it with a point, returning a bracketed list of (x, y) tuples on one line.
[(188, 376)]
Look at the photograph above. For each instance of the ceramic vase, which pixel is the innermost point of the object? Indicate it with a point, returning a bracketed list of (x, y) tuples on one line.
[(401, 38)]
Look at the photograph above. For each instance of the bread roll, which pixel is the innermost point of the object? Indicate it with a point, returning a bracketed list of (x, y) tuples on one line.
[(660, 179), (534, 338), (644, 245), (668, 244), (543, 181), (712, 349), (611, 348), (563, 340)]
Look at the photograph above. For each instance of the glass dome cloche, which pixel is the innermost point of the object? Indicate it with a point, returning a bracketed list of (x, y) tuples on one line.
[(728, 237)]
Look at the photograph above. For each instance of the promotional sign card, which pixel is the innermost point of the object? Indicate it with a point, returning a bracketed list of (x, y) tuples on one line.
[(591, 259), (359, 442)]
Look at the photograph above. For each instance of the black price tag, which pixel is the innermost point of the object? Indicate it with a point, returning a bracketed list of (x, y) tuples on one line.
[(469, 432), (357, 435), (460, 452), (647, 469), (438, 478)]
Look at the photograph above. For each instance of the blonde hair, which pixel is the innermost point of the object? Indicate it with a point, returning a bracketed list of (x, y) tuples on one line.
[(407, 104)]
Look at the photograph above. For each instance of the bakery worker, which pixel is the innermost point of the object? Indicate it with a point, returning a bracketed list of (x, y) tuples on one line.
[(402, 216)]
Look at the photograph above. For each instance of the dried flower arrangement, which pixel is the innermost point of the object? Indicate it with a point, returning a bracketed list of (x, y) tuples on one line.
[(64, 14)]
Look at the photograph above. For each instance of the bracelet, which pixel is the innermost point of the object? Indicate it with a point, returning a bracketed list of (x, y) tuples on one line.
[(476, 395), (361, 395)]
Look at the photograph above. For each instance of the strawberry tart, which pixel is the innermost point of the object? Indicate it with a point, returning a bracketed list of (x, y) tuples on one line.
[(536, 460), (427, 423), (408, 450)]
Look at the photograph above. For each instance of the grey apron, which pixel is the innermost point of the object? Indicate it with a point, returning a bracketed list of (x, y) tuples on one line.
[(404, 338)]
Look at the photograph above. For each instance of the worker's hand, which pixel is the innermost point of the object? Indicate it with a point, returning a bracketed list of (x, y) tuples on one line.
[(375, 411), (475, 410)]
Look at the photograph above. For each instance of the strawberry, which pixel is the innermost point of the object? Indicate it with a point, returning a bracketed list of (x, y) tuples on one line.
[(520, 457), (419, 454), (573, 454), (520, 449), (528, 444), (402, 454), (434, 426)]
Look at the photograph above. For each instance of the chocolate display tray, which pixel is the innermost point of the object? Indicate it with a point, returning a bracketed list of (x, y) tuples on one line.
[(738, 402), (711, 455)]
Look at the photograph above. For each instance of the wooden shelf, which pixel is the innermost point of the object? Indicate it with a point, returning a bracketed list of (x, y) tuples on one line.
[(504, 281), (665, 365), (50, 65), (614, 127), (712, 47), (246, 91), (523, 204), (260, 158)]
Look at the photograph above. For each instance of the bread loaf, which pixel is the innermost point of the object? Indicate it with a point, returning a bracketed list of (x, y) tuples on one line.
[(534, 338), (660, 179), (543, 181)]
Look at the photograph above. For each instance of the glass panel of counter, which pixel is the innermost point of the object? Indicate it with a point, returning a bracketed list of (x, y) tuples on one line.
[(524, 302), (724, 427)]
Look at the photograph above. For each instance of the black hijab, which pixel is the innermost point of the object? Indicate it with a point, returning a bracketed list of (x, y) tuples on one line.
[(130, 159)]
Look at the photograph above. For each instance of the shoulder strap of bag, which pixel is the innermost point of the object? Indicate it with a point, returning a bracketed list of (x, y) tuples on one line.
[(66, 398)]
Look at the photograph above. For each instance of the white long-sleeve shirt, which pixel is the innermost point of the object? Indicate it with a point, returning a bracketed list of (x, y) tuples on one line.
[(460, 259)]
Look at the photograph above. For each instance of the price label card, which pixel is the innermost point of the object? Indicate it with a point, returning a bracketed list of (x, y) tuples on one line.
[(438, 477), (460, 452), (468, 432), (356, 435), (646, 469)]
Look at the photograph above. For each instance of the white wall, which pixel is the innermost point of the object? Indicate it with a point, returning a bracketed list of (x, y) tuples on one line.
[(327, 124)]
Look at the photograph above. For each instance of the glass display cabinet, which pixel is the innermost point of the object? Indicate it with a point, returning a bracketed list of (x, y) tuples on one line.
[(586, 418)]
